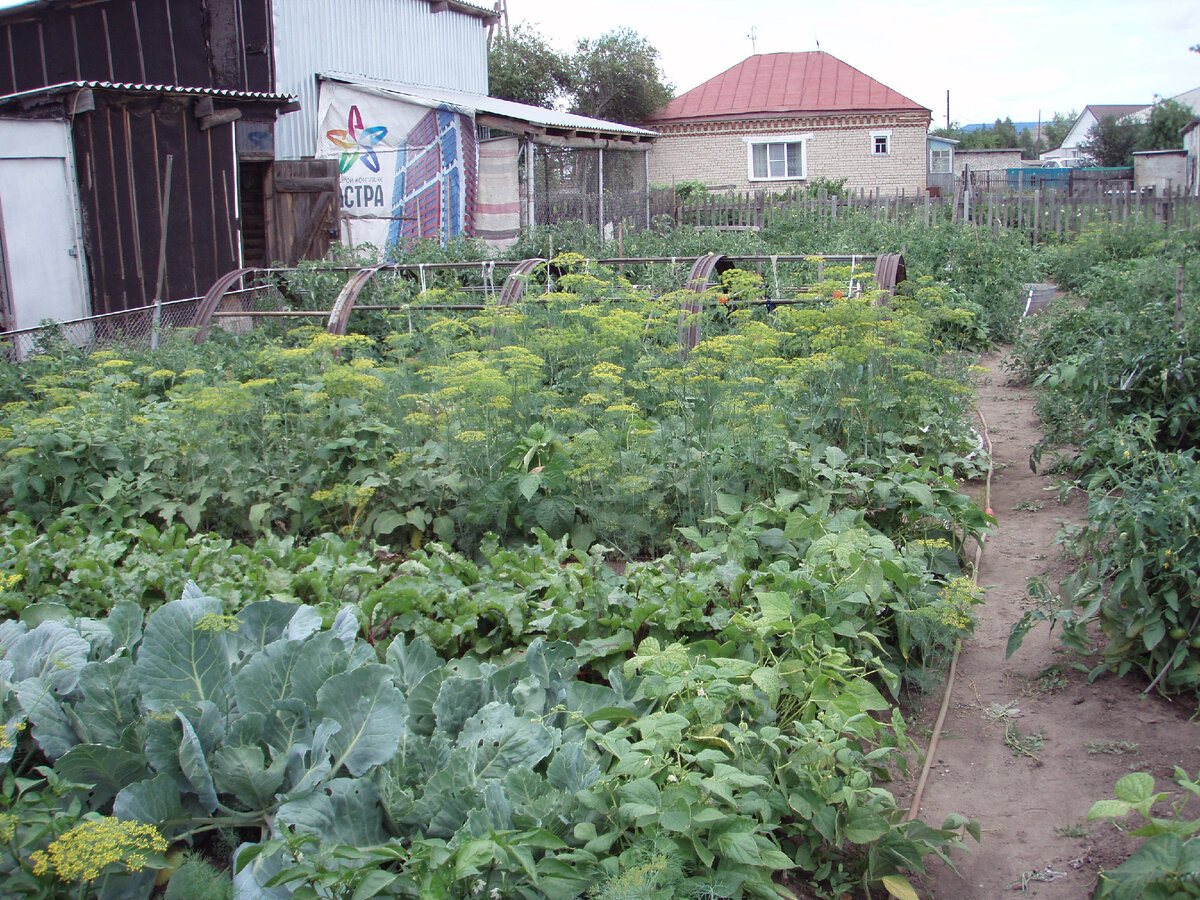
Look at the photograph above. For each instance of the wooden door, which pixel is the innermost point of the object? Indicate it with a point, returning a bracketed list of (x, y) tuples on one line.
[(302, 209), (40, 235)]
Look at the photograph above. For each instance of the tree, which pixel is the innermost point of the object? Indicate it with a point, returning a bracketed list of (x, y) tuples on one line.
[(1005, 133), (1055, 131), (524, 68), (1164, 129), (617, 78), (1111, 141)]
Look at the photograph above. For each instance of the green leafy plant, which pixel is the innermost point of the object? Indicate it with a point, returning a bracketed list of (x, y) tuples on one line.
[(1167, 865)]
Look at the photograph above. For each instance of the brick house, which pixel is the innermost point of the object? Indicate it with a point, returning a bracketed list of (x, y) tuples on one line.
[(779, 120)]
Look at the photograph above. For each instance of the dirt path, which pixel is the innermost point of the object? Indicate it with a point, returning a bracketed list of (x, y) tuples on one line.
[(1067, 741)]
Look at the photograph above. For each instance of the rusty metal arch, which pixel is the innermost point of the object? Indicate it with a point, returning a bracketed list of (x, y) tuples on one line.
[(202, 320), (514, 284), (339, 316), (889, 272), (698, 282)]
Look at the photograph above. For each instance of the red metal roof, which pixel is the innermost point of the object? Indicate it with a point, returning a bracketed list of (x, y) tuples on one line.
[(781, 83)]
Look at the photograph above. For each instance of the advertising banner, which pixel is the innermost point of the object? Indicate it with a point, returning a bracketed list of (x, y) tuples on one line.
[(408, 168)]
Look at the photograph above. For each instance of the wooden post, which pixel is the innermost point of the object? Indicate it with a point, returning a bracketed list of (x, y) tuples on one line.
[(1179, 300), (164, 213), (1037, 212)]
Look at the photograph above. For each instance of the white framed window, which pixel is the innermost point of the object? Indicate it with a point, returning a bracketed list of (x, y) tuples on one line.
[(782, 157), (881, 143), (939, 159)]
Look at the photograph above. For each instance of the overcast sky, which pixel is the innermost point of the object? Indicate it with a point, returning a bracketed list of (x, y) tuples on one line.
[(995, 59)]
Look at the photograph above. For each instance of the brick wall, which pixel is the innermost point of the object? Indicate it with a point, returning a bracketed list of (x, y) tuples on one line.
[(839, 147)]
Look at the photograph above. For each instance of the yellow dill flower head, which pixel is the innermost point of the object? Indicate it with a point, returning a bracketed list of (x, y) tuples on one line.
[(472, 437), (622, 409), (191, 373), (162, 373), (101, 355), (115, 364), (607, 373), (254, 383), (325, 341), (88, 849), (8, 826), (8, 734)]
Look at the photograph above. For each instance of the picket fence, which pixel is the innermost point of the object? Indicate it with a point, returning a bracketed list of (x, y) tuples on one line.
[(1044, 215)]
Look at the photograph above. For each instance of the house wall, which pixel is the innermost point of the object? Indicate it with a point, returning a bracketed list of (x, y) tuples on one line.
[(388, 40), (840, 147), (1191, 143), (986, 160)]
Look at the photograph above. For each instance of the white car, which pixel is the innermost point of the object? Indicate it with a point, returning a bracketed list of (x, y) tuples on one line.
[(1066, 162)]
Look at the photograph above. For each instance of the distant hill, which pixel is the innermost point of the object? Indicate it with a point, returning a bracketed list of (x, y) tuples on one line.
[(1020, 126)]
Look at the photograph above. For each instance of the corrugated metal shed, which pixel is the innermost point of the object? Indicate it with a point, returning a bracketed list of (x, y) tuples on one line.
[(411, 41)]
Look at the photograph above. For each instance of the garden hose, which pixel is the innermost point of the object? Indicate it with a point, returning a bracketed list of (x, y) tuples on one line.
[(915, 808)]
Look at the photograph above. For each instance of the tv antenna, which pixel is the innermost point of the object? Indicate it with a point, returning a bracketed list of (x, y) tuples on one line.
[(753, 35)]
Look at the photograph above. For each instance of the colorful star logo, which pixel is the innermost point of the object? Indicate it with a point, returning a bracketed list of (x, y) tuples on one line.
[(357, 142)]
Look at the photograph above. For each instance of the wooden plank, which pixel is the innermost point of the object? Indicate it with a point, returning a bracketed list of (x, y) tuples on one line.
[(305, 185), (225, 45)]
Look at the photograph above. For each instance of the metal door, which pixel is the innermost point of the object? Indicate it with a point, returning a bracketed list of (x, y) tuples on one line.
[(40, 236)]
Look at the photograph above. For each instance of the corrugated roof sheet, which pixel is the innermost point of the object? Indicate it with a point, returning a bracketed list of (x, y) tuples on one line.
[(781, 83), (535, 115), (122, 87)]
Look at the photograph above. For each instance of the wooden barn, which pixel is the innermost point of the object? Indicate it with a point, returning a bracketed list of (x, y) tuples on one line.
[(99, 101)]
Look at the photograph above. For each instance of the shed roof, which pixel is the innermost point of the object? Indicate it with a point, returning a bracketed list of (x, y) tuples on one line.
[(769, 84), (550, 121), (66, 87)]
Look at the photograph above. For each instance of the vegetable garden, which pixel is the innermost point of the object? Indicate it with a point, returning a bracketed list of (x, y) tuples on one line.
[(519, 601)]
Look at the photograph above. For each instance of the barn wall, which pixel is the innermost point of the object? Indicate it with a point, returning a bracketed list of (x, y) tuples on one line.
[(219, 43), (120, 156)]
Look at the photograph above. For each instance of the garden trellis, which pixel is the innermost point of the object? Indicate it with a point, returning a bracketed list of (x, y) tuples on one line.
[(260, 295)]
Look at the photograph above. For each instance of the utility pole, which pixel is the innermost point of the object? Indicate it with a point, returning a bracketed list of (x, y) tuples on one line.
[(947, 110)]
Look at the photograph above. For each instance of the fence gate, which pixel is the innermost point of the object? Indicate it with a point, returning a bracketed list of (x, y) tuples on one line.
[(301, 206)]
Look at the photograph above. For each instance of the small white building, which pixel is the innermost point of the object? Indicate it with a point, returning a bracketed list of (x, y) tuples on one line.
[(1191, 145), (1162, 170)]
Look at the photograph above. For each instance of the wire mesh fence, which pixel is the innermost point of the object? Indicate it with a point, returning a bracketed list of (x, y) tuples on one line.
[(136, 327)]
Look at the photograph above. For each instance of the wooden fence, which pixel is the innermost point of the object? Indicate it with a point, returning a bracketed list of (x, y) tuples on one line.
[(1042, 214)]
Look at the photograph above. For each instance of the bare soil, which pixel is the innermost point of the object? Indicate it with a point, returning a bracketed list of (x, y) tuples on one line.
[(1067, 741)]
